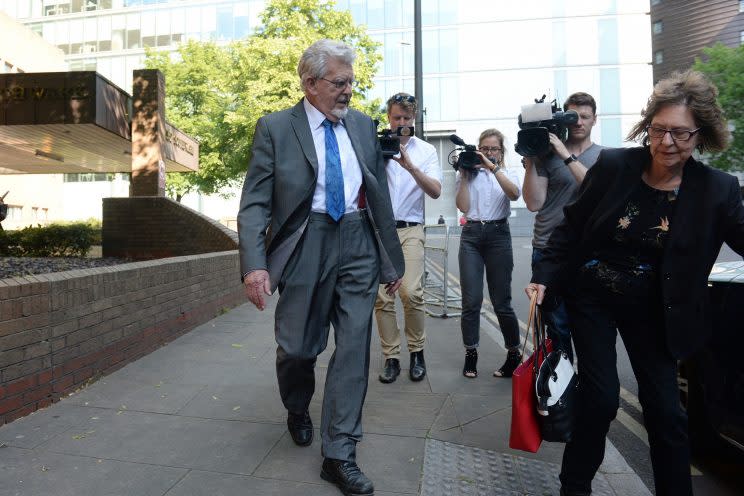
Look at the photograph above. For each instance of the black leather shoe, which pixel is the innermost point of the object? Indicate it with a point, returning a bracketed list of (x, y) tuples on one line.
[(300, 427), (347, 477), (417, 370), (391, 370)]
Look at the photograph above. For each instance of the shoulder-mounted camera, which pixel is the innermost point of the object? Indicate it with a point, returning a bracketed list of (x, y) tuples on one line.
[(536, 121)]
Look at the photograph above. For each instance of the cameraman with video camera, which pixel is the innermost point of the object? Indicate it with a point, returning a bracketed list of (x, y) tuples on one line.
[(412, 170), (550, 183), (485, 186)]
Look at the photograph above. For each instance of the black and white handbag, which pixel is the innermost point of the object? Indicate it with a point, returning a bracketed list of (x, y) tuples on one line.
[(556, 388)]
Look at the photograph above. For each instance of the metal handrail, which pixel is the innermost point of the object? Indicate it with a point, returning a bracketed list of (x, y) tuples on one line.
[(440, 298)]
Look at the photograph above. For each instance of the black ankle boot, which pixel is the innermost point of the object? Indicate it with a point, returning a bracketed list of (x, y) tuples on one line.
[(391, 371), (417, 369), (513, 359)]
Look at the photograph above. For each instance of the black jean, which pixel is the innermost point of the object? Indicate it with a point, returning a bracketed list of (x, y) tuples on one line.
[(595, 320), (489, 246), (556, 319)]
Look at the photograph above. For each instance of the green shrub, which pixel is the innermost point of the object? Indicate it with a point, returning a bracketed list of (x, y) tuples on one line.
[(55, 240)]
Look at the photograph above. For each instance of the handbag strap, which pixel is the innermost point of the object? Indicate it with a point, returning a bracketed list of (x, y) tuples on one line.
[(530, 324)]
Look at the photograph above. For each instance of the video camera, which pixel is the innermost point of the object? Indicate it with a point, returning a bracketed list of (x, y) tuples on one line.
[(536, 121), (390, 140), (467, 158)]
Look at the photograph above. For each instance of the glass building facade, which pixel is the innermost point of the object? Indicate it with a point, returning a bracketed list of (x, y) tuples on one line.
[(482, 59)]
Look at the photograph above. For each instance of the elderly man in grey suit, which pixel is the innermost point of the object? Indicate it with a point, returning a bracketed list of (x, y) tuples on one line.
[(315, 221)]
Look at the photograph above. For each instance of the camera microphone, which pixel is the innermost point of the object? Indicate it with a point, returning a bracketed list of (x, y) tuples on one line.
[(456, 140)]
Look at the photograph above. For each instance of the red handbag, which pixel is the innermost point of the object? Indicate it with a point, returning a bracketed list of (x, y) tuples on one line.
[(525, 430)]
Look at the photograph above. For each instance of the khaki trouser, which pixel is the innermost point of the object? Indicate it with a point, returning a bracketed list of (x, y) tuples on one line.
[(411, 295)]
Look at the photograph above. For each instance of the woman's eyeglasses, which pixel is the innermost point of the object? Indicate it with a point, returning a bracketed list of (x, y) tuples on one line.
[(404, 98), (488, 149), (677, 134)]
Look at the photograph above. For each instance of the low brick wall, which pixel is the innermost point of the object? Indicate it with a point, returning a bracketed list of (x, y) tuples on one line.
[(59, 330), (148, 227)]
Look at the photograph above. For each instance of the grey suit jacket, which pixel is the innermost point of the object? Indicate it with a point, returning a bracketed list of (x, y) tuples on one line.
[(279, 187)]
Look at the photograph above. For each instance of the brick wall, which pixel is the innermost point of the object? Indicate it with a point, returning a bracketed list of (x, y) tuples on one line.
[(59, 330), (148, 227)]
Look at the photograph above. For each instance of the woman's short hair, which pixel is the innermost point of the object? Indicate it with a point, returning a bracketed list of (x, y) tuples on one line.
[(694, 90), (314, 60), (488, 133)]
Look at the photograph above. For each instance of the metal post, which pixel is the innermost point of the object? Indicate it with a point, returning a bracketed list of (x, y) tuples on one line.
[(418, 69)]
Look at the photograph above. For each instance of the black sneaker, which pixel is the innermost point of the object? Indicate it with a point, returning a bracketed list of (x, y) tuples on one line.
[(513, 360)]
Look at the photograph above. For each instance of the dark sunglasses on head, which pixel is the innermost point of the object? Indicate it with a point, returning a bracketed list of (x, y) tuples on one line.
[(404, 98)]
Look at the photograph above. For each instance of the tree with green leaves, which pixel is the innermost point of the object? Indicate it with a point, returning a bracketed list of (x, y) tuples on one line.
[(217, 93), (725, 67)]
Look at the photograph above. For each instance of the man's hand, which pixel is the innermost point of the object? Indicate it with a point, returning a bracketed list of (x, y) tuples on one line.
[(558, 146), (392, 287), (257, 284), (404, 159), (532, 287)]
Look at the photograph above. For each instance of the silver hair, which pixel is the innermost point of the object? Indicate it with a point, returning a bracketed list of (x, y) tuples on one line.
[(314, 61)]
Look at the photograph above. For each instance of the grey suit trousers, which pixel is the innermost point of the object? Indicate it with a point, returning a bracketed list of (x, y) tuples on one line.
[(332, 278)]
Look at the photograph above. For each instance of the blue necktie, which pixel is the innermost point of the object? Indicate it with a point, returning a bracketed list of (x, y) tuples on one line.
[(334, 178)]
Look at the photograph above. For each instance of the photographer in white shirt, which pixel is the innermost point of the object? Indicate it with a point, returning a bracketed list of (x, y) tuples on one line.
[(484, 193), (411, 174)]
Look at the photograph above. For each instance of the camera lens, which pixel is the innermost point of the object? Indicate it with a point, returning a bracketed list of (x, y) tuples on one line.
[(533, 142)]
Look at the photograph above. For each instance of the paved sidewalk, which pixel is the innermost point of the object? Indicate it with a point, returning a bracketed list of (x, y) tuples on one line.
[(202, 416)]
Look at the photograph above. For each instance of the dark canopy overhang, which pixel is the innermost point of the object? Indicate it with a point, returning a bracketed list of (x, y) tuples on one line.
[(73, 122)]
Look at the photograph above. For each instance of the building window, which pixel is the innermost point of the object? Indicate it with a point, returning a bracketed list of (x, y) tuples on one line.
[(89, 177), (15, 213), (58, 8), (659, 57), (741, 37), (655, 2), (658, 27), (741, 5)]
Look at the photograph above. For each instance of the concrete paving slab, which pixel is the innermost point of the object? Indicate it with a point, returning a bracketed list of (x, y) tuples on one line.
[(400, 413), (198, 483), (393, 463), (32, 473), (258, 402), (41, 426), (159, 397), (169, 440)]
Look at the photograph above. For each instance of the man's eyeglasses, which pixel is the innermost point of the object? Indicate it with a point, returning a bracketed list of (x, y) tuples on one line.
[(488, 149), (677, 134), (404, 98), (341, 83)]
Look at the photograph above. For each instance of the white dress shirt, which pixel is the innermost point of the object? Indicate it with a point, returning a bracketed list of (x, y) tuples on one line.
[(406, 195), (487, 200), (349, 163)]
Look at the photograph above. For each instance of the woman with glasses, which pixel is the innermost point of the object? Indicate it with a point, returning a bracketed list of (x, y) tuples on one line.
[(633, 255), (483, 195)]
